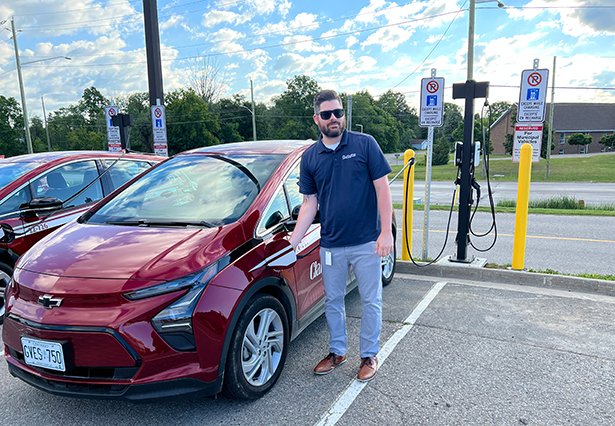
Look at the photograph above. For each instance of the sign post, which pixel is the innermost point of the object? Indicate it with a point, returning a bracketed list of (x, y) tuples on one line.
[(159, 130), (113, 132), (431, 115)]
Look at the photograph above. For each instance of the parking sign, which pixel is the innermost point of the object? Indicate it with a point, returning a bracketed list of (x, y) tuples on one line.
[(432, 102), (532, 98)]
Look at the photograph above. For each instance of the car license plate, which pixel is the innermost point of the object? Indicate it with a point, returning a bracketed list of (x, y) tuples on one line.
[(42, 353)]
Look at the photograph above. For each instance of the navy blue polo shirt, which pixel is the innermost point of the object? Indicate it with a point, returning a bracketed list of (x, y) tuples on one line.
[(343, 182)]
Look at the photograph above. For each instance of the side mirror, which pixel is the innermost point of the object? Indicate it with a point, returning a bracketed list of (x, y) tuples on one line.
[(6, 233), (40, 205), (295, 214), (274, 219)]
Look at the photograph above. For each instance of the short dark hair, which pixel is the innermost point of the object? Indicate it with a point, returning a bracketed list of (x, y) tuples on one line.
[(324, 96)]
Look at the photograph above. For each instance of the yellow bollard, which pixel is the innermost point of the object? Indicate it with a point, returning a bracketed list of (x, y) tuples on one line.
[(523, 200), (407, 207)]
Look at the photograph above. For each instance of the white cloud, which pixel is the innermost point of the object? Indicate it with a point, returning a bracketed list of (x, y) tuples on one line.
[(215, 17), (303, 43), (301, 22), (173, 21), (388, 38)]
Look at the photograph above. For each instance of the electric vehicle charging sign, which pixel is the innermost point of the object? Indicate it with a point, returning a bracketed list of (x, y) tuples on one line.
[(113, 132), (527, 133), (159, 130), (532, 98), (432, 102)]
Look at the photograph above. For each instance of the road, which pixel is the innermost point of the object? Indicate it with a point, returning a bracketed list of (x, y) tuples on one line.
[(567, 244), (452, 353), (441, 192)]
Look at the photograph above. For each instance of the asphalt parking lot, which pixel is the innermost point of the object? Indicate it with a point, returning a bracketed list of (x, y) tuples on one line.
[(457, 351)]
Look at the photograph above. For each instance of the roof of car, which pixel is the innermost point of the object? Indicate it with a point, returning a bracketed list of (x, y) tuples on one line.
[(258, 147), (44, 157)]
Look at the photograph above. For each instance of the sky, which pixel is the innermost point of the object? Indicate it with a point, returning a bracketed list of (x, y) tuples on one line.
[(349, 46)]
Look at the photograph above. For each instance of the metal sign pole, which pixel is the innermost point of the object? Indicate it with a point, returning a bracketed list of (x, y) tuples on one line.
[(428, 162)]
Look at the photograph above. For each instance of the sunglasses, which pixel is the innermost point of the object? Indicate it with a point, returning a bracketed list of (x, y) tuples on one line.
[(325, 115)]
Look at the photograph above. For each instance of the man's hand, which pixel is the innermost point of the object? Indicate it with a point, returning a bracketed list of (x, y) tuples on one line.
[(384, 243)]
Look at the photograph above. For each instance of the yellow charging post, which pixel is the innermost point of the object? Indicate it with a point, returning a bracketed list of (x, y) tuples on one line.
[(407, 206), (523, 200)]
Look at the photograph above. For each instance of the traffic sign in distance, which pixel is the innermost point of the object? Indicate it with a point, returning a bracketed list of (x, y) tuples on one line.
[(532, 96), (432, 102)]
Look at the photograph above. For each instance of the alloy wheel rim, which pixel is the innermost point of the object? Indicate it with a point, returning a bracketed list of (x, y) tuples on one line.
[(262, 347), (388, 263)]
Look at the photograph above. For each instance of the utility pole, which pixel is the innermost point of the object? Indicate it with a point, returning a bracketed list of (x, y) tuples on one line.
[(551, 113), (253, 111), (46, 127), (152, 48), (21, 89)]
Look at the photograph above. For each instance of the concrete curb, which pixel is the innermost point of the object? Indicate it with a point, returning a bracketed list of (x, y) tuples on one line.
[(506, 276)]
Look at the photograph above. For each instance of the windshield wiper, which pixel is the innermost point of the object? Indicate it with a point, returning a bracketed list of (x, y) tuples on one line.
[(175, 223)]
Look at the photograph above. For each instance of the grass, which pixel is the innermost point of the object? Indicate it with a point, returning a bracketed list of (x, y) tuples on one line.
[(608, 277), (598, 168)]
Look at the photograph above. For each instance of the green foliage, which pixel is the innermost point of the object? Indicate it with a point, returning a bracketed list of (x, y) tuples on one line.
[(579, 139), (440, 154), (12, 136), (608, 140)]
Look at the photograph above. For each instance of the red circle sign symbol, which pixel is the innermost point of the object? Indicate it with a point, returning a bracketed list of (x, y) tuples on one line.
[(534, 79), (157, 112), (432, 86), (112, 112)]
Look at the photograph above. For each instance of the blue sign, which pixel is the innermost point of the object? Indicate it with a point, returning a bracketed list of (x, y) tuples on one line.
[(533, 94), (158, 122), (432, 100)]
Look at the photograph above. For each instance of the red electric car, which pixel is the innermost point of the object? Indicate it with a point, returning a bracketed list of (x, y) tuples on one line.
[(172, 285), (41, 192)]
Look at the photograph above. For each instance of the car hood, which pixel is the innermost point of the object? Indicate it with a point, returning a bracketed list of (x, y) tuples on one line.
[(126, 252)]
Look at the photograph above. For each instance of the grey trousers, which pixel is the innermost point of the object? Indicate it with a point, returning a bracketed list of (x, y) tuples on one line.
[(366, 265)]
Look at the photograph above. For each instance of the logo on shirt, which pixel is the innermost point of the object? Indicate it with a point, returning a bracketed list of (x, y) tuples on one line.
[(349, 156)]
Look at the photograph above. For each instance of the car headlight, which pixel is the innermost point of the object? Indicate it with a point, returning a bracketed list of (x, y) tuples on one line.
[(174, 322)]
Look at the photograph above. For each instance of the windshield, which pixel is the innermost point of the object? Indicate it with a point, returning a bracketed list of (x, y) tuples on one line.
[(191, 190), (11, 171)]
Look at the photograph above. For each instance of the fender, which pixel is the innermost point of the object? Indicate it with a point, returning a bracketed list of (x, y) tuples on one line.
[(269, 283)]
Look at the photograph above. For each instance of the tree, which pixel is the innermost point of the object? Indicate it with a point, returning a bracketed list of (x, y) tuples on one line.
[(207, 79), (440, 153), (608, 140), (376, 121), (579, 139), (190, 123), (406, 118), (294, 108), (12, 137)]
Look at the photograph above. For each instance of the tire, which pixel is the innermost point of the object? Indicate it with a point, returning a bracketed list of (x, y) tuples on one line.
[(388, 266), (257, 354), (6, 272)]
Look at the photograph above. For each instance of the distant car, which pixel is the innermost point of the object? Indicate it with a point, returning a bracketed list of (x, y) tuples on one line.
[(176, 284), (40, 192)]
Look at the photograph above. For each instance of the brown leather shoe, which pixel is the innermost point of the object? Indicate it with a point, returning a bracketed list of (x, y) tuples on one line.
[(368, 369), (329, 363)]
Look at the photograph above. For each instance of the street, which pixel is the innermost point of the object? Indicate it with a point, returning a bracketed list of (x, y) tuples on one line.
[(567, 244), (452, 353), (442, 192)]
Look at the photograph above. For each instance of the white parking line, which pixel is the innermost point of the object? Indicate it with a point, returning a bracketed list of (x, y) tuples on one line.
[(341, 405)]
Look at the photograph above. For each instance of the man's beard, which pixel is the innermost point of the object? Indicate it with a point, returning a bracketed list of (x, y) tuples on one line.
[(332, 133)]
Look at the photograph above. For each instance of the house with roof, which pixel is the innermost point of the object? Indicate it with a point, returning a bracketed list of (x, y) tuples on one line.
[(593, 119)]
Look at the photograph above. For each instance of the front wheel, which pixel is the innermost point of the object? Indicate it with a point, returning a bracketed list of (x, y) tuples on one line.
[(258, 349), (5, 276), (388, 267)]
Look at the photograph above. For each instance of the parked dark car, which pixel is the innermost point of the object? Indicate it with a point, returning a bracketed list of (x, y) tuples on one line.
[(173, 285), (41, 192)]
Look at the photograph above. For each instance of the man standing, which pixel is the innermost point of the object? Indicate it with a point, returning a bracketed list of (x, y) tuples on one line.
[(344, 175)]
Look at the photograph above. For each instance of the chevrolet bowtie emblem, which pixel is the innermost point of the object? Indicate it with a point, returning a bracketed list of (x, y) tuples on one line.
[(48, 301)]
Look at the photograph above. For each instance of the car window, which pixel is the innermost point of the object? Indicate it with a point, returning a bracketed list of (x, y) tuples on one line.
[(66, 181), (10, 207), (192, 189), (278, 205), (10, 171), (124, 170), (292, 188)]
